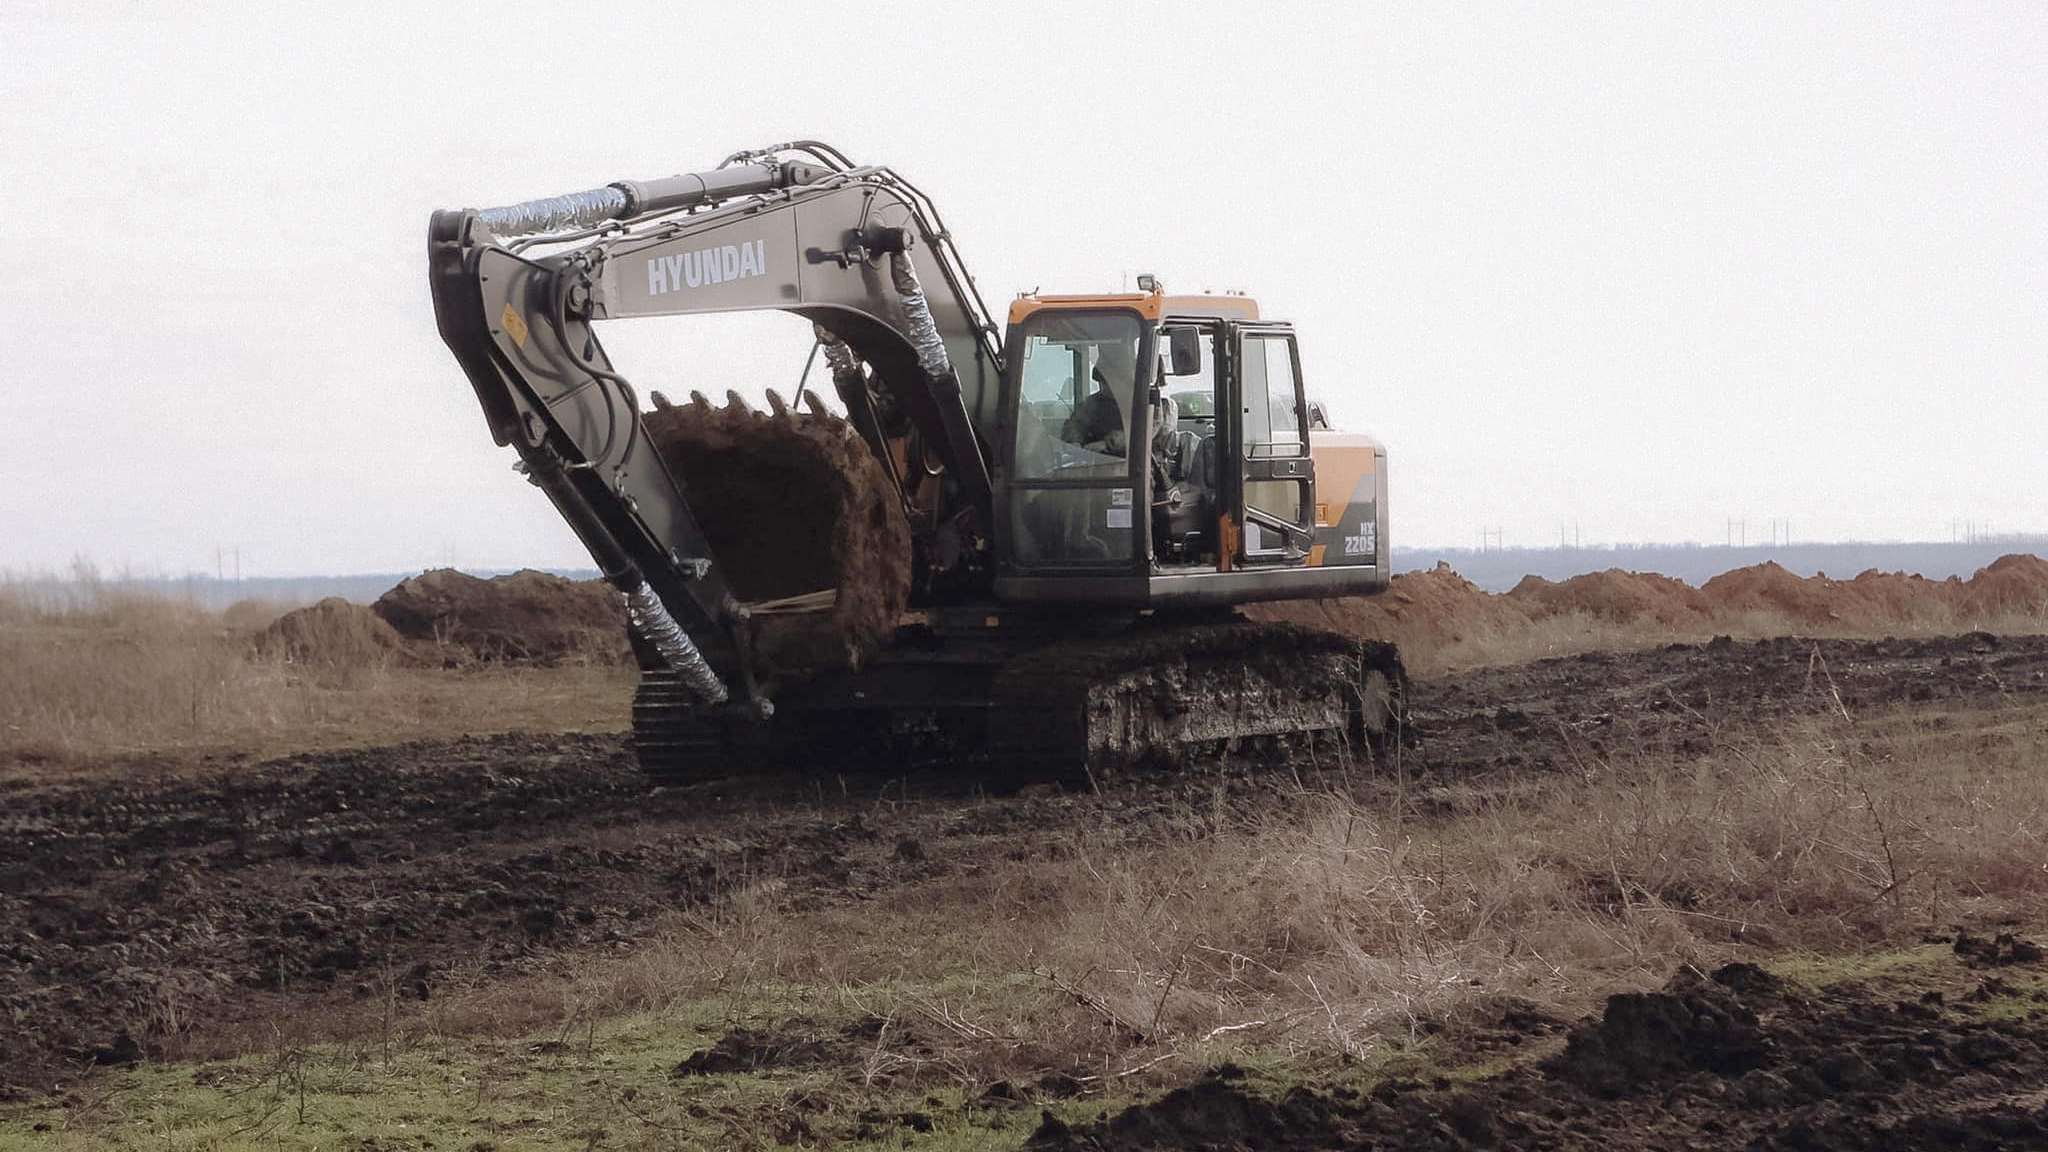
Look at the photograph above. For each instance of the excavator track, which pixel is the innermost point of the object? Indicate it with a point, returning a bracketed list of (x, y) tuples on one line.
[(1022, 705)]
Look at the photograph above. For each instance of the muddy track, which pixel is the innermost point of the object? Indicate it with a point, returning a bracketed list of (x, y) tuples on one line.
[(139, 905)]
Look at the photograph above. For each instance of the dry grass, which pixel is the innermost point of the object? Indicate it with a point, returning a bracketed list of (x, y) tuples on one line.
[(1341, 922), (103, 673)]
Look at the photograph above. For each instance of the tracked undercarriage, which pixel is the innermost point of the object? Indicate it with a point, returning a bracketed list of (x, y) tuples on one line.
[(1022, 699)]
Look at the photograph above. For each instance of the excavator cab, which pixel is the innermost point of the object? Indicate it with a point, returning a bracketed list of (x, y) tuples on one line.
[(1158, 451)]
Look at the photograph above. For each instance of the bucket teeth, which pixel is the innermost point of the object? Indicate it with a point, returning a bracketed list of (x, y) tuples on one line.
[(661, 401), (776, 404), (736, 402), (698, 401), (811, 401)]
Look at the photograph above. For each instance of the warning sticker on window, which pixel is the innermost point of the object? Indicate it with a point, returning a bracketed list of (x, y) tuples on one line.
[(1120, 498), (1119, 517)]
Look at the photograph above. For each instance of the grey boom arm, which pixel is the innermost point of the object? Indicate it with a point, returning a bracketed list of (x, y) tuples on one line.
[(829, 241)]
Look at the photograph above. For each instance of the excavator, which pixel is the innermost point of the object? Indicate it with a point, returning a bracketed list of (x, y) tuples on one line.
[(1033, 545)]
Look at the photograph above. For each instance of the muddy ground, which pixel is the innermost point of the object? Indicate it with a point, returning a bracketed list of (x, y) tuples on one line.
[(1738, 1058), (193, 905)]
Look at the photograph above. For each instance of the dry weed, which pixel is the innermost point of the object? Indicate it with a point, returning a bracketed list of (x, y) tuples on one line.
[(100, 672), (1336, 920)]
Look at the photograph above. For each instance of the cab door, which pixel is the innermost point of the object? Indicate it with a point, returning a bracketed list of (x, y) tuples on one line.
[(1272, 504)]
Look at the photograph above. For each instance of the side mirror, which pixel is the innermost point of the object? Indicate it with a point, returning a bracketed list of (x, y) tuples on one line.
[(1184, 351)]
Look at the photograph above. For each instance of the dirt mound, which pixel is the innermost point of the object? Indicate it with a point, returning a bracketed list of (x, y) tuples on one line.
[(1432, 610), (794, 504), (795, 1043), (1896, 598), (1214, 1112), (1770, 587), (1647, 1039), (1428, 607), (2012, 585), (1997, 949), (332, 636), (1616, 595), (2009, 585), (527, 617), (801, 1042)]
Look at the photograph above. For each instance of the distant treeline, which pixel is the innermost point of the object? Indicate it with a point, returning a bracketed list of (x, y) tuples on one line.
[(1497, 570)]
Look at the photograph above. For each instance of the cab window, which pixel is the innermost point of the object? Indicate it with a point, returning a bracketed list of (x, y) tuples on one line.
[(1272, 402), (1078, 376)]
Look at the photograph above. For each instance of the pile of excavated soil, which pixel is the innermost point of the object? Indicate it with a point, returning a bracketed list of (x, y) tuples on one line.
[(1615, 595), (2011, 585), (1435, 606), (794, 503), (527, 617), (1770, 587), (1898, 597), (331, 636), (1422, 611)]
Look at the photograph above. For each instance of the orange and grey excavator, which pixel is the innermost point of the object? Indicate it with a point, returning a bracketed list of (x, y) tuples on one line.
[(1028, 545)]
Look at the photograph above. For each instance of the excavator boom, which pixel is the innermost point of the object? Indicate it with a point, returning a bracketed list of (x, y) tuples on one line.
[(517, 289)]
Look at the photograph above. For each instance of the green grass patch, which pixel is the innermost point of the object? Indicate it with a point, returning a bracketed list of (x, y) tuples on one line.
[(1927, 964), (609, 1085)]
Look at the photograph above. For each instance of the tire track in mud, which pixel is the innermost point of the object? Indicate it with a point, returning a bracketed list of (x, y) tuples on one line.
[(142, 904)]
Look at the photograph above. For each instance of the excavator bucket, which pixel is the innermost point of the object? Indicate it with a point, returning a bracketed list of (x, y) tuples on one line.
[(804, 522)]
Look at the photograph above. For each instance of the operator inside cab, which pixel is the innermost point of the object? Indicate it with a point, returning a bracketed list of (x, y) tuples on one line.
[(1097, 424)]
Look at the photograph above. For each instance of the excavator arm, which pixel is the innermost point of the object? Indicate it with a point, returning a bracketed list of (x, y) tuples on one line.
[(795, 228)]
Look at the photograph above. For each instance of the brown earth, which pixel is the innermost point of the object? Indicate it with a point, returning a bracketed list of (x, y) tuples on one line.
[(152, 909), (526, 617), (1623, 597), (1434, 606), (793, 503), (333, 636), (1740, 1059), (2017, 583), (1430, 610)]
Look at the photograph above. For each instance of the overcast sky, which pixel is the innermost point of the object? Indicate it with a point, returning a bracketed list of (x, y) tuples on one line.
[(1642, 267)]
